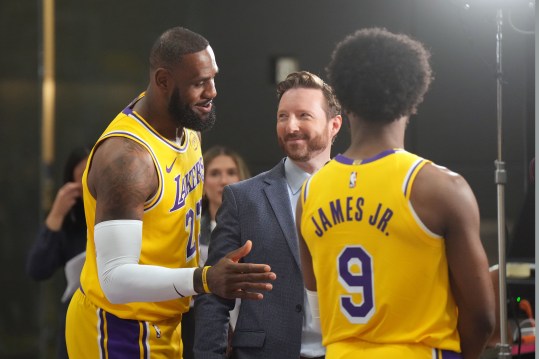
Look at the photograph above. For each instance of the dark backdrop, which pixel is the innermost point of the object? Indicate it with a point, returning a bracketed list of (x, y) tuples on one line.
[(102, 50)]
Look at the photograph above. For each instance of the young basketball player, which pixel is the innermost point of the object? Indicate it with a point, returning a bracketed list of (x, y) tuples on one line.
[(390, 245)]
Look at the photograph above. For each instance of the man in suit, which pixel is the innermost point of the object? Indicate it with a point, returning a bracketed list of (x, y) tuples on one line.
[(262, 209)]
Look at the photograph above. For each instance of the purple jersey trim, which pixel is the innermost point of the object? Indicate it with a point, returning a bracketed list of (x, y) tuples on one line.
[(344, 160), (447, 354), (412, 171), (124, 338), (348, 161)]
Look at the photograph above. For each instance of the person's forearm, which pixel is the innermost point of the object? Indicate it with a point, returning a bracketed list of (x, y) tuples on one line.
[(131, 282), (473, 337), (54, 221), (123, 279)]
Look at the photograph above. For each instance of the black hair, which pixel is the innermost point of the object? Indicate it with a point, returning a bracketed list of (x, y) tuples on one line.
[(75, 219), (378, 75), (168, 49), (73, 159)]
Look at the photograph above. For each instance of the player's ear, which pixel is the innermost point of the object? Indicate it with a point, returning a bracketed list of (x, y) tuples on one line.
[(162, 78)]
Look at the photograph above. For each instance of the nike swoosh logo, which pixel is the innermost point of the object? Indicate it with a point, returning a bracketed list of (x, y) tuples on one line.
[(170, 168), (181, 295)]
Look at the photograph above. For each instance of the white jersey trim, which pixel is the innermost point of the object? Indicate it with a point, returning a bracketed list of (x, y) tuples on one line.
[(421, 224), (406, 185)]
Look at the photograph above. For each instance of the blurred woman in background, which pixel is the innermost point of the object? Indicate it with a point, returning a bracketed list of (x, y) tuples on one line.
[(222, 166), (61, 240)]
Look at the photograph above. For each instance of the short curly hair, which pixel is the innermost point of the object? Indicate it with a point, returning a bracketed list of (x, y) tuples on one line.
[(169, 48), (378, 75)]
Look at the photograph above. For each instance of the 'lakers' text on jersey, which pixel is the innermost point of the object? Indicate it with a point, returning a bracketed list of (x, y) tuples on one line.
[(369, 249), (171, 218)]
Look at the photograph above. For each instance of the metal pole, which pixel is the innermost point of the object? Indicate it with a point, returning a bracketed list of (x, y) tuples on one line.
[(48, 300), (48, 98), (500, 179)]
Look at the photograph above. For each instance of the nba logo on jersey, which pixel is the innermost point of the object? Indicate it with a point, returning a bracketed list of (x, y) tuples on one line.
[(194, 140), (353, 177)]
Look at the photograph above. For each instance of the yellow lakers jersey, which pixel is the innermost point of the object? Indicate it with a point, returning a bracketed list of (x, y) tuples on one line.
[(382, 276), (171, 219)]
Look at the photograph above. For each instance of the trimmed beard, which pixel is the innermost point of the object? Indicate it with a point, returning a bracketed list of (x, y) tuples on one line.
[(186, 117), (312, 147)]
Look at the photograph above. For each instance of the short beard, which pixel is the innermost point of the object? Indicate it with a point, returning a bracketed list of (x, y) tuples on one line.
[(186, 117), (314, 147)]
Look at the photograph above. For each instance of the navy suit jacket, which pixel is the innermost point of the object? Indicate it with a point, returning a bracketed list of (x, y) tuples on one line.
[(257, 209)]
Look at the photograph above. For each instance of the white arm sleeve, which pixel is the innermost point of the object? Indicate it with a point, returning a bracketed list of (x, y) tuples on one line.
[(312, 299), (123, 279)]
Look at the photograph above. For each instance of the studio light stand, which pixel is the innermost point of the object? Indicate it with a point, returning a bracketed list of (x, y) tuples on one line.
[(504, 349)]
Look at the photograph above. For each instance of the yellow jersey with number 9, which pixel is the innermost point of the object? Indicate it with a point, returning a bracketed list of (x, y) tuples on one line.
[(171, 219), (382, 276)]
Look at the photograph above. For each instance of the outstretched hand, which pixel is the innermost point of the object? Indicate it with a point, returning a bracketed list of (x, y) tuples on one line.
[(231, 279)]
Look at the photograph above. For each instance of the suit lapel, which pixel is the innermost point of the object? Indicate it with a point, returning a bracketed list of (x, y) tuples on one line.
[(277, 194)]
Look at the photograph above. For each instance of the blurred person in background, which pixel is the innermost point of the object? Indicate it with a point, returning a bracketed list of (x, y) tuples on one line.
[(222, 166), (61, 240)]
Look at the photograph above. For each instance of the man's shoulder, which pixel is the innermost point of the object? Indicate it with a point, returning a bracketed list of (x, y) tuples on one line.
[(438, 175), (439, 185), (261, 180)]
